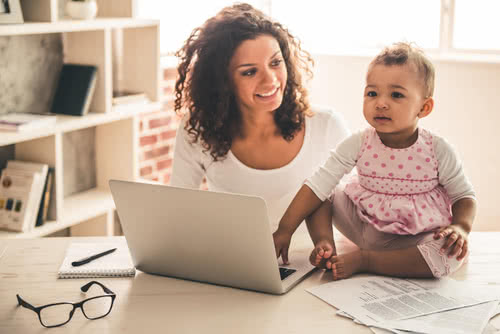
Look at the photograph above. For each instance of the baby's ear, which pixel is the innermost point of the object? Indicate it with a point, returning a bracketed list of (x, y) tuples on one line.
[(427, 107)]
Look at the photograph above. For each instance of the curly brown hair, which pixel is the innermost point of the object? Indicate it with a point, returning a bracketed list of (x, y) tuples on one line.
[(203, 83)]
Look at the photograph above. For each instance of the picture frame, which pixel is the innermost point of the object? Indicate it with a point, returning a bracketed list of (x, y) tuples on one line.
[(10, 12)]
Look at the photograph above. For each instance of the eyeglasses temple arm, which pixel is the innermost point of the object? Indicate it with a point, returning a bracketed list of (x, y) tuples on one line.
[(86, 287), (23, 303)]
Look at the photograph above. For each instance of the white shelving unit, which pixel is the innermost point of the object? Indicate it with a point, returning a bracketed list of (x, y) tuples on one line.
[(92, 212)]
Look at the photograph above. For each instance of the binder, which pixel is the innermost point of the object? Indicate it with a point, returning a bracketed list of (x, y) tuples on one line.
[(75, 89)]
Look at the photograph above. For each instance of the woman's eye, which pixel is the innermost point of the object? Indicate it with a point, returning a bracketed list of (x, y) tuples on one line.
[(276, 62), (397, 95), (371, 94), (249, 72)]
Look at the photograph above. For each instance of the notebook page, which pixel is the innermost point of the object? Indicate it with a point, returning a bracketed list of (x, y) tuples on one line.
[(117, 264)]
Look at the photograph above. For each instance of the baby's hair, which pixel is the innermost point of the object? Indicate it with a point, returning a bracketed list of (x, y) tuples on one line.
[(402, 53)]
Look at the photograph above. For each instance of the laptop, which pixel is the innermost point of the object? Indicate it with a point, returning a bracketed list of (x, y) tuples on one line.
[(204, 236)]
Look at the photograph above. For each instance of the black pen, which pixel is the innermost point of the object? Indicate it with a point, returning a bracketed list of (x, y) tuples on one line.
[(91, 258)]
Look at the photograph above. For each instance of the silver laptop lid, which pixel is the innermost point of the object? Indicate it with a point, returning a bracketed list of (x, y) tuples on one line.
[(198, 235)]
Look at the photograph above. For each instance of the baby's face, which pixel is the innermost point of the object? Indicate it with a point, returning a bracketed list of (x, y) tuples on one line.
[(393, 99)]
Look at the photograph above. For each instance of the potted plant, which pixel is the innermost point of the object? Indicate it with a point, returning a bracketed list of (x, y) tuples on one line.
[(81, 9)]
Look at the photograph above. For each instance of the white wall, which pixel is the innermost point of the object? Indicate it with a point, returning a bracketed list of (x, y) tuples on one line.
[(466, 112)]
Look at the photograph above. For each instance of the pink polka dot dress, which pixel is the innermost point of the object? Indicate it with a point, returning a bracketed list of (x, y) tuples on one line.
[(397, 190)]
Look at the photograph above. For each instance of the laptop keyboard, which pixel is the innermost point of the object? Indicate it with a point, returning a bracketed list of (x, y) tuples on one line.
[(285, 272)]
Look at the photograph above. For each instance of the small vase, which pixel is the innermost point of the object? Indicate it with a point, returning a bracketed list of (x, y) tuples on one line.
[(81, 10)]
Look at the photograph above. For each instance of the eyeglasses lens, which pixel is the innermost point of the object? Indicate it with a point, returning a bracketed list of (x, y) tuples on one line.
[(97, 307), (56, 314)]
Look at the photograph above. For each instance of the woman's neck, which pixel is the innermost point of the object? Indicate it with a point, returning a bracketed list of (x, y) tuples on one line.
[(258, 126)]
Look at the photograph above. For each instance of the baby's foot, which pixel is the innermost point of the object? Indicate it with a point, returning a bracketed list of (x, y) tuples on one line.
[(321, 254), (346, 265)]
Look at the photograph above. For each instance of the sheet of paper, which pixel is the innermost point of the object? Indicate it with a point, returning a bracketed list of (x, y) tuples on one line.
[(467, 320), (375, 299)]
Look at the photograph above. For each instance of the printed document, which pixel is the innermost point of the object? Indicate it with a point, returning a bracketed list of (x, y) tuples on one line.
[(376, 299)]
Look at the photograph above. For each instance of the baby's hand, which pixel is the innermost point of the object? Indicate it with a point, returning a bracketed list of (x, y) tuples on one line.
[(457, 243), (321, 253)]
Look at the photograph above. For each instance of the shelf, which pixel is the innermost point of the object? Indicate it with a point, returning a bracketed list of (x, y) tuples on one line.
[(47, 228), (32, 28), (65, 123), (126, 52), (77, 208), (87, 205)]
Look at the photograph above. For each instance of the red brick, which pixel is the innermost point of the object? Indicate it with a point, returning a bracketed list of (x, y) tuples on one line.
[(166, 178), (158, 122), (168, 90), (163, 164), (156, 152), (168, 134), (170, 73), (141, 125), (168, 104), (148, 140), (146, 171)]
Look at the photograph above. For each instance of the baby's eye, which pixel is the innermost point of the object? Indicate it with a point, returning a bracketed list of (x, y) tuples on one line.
[(397, 95), (276, 62), (249, 73), (371, 93)]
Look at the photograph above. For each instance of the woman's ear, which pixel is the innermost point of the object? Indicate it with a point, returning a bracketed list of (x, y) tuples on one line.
[(426, 107)]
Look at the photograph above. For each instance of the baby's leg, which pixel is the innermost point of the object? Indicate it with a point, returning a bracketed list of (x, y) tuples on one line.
[(320, 229), (422, 260), (407, 262)]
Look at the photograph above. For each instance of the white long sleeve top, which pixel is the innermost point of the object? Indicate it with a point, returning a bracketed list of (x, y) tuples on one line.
[(343, 159), (277, 187)]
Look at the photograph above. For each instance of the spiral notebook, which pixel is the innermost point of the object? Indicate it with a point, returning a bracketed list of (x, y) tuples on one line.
[(117, 264)]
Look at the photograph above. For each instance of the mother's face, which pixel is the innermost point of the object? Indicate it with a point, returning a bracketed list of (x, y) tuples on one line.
[(258, 75)]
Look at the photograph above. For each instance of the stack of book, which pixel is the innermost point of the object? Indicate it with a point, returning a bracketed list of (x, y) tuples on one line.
[(24, 195), (23, 121)]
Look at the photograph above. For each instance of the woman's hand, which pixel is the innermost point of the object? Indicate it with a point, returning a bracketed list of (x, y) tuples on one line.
[(457, 240), (281, 244)]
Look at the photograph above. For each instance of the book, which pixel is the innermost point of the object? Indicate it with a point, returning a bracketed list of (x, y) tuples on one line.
[(17, 190), (22, 121), (116, 264), (125, 97), (43, 209), (22, 187), (75, 89)]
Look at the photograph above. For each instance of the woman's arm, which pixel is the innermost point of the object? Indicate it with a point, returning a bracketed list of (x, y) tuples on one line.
[(188, 169)]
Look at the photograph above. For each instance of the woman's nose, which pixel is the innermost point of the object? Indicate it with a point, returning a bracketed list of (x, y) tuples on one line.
[(269, 77)]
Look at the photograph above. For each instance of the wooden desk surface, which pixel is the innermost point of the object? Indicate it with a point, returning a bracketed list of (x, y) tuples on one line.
[(161, 304)]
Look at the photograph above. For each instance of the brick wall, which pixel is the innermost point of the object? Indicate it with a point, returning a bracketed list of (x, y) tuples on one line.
[(157, 135)]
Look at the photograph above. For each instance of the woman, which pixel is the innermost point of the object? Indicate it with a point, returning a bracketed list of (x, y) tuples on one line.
[(250, 128)]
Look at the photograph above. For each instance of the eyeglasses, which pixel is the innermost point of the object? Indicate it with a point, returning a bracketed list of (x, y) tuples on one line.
[(58, 314)]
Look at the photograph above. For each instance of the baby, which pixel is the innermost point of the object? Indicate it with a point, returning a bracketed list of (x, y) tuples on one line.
[(410, 207)]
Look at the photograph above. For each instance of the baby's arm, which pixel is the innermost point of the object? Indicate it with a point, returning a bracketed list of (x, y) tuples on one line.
[(316, 190), (463, 212), (303, 204), (462, 195), (319, 225)]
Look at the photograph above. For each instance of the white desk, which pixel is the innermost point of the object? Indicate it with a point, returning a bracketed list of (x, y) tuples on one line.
[(160, 304)]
